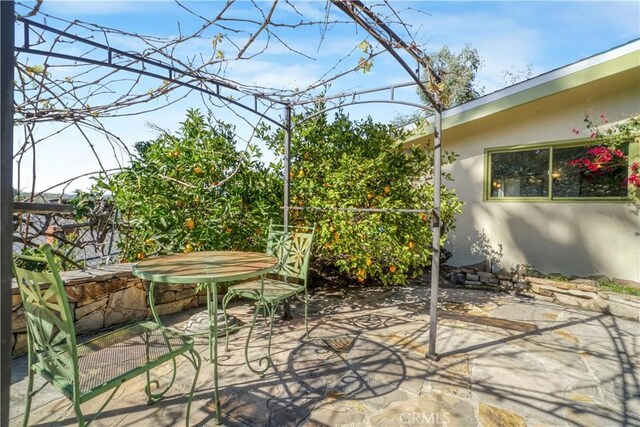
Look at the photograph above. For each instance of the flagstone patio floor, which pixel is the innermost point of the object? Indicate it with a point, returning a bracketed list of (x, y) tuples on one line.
[(505, 361)]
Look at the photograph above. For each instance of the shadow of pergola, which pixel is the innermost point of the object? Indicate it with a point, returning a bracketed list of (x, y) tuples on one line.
[(370, 349)]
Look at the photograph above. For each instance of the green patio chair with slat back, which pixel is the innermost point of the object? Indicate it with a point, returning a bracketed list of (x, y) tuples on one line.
[(84, 371), (293, 250)]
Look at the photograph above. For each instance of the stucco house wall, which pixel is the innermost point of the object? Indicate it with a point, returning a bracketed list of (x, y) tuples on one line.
[(582, 238)]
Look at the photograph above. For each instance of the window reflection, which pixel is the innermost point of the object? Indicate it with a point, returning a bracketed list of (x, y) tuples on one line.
[(520, 173)]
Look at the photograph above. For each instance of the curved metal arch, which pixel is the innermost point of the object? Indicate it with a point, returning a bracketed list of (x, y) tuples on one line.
[(171, 71), (379, 101)]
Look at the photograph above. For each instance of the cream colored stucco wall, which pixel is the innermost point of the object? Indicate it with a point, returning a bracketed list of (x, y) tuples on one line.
[(569, 238)]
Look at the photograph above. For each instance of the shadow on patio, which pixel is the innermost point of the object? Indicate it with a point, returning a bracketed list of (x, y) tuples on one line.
[(506, 361)]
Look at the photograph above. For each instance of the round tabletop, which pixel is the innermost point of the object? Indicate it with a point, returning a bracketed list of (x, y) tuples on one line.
[(205, 267)]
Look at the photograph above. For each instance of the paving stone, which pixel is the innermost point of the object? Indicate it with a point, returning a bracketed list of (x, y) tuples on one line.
[(624, 307), (573, 367), (451, 376), (491, 416), (426, 411), (508, 376), (333, 412)]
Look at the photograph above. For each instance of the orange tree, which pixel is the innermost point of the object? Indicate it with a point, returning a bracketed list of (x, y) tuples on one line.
[(193, 191), (362, 164)]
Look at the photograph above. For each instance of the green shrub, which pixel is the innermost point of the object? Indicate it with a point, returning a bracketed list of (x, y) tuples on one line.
[(360, 164), (194, 191)]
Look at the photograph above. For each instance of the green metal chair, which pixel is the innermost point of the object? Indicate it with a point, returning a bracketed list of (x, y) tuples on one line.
[(82, 372), (292, 247)]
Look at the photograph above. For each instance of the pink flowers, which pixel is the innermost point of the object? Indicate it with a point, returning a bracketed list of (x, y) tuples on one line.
[(600, 159), (584, 163), (601, 154), (634, 178), (604, 154)]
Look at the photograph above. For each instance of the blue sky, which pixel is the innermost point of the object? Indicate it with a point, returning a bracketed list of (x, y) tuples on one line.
[(507, 35)]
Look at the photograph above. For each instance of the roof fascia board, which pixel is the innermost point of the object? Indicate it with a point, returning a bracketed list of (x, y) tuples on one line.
[(602, 58), (579, 73), (457, 115)]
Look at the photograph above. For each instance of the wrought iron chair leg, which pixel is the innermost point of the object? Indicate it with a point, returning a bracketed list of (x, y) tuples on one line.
[(27, 409), (196, 361), (273, 309), (306, 312), (262, 360), (154, 397), (79, 414)]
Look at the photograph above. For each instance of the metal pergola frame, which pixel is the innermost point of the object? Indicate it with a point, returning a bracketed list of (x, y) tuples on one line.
[(209, 86)]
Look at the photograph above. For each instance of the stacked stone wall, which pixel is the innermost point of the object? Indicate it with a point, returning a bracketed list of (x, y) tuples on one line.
[(108, 297), (584, 293)]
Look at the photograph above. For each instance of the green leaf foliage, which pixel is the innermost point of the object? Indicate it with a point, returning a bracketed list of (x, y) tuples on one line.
[(194, 191), (458, 72), (344, 163)]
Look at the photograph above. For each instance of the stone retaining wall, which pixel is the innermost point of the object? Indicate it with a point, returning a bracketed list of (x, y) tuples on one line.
[(579, 292), (108, 297), (585, 294)]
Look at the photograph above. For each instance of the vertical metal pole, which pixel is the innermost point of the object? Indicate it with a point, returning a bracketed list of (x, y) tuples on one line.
[(286, 312), (435, 225), (287, 163), (6, 199)]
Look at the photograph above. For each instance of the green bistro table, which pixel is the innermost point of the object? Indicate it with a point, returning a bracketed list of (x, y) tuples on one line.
[(208, 269)]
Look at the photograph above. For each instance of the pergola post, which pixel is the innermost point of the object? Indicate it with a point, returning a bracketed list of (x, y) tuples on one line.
[(286, 314), (435, 225), (286, 163), (7, 59)]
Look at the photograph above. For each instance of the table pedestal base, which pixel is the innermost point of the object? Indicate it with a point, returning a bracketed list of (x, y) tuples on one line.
[(199, 324)]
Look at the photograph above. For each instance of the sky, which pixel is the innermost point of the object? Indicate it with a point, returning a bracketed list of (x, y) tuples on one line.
[(513, 35)]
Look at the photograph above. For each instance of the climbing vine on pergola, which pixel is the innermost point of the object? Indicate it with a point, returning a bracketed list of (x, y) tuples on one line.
[(73, 74)]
